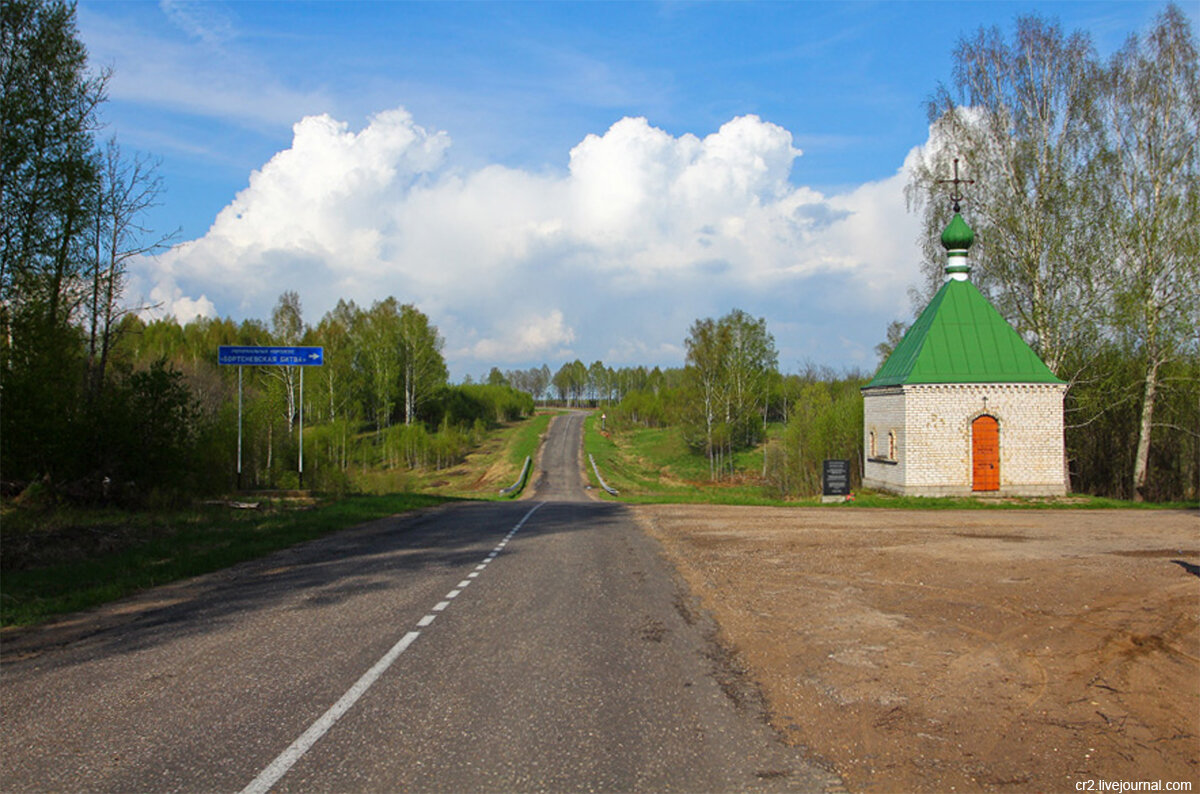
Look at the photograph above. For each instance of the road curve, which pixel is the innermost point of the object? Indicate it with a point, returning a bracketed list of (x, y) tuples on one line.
[(537, 645)]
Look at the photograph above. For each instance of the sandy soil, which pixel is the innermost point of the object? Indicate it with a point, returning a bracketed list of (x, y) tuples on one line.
[(964, 650)]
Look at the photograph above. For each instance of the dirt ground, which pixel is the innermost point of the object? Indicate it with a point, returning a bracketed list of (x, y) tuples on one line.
[(961, 650)]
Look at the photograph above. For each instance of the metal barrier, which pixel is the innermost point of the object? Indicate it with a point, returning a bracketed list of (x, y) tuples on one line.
[(600, 479), (520, 483)]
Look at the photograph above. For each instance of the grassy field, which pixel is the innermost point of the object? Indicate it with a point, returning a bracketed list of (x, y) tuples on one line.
[(64, 559), (70, 559), (655, 466)]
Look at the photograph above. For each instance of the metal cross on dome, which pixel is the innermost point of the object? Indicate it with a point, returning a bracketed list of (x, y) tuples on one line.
[(956, 194)]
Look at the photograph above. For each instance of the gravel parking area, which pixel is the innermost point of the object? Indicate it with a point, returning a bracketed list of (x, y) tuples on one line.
[(989, 650)]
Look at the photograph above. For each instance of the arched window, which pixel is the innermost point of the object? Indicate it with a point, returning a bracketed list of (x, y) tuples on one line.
[(871, 445), (891, 445)]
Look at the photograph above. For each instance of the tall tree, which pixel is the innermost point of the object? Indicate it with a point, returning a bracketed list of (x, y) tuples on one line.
[(730, 362), (598, 381), (48, 103), (423, 368), (751, 361), (125, 190), (1149, 126), (337, 374), (706, 345), (1018, 116), (378, 336), (287, 327), (47, 159)]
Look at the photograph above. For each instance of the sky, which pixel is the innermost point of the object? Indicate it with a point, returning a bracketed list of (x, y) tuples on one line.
[(547, 181)]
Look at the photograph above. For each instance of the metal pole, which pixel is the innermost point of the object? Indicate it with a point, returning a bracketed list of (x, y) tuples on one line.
[(301, 427), (239, 466)]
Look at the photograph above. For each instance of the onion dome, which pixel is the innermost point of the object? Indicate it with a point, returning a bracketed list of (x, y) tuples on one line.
[(958, 235), (957, 238)]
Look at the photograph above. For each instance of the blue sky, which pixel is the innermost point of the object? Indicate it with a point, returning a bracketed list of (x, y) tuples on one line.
[(546, 180)]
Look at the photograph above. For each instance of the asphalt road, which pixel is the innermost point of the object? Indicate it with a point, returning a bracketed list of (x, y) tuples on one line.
[(536, 645)]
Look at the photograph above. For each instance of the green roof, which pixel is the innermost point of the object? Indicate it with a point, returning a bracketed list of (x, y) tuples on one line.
[(961, 338)]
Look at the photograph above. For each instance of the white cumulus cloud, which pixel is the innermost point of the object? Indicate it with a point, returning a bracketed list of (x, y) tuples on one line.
[(640, 234), (526, 338)]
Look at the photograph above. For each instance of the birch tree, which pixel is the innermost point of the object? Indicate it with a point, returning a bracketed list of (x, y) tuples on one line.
[(378, 336), (422, 365), (1018, 116), (287, 326), (1149, 125), (706, 370)]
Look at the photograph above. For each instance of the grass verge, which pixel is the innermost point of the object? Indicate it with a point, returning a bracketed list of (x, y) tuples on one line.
[(527, 437), (655, 466), (75, 559)]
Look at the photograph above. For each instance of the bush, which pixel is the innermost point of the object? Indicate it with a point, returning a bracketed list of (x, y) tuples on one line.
[(826, 422)]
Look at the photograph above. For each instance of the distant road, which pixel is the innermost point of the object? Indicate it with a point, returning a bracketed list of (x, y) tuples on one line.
[(536, 645)]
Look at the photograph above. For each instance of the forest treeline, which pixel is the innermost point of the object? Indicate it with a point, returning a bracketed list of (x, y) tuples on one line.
[(166, 421)]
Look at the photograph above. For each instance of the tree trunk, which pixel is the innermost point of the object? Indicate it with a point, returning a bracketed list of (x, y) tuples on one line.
[(1142, 460)]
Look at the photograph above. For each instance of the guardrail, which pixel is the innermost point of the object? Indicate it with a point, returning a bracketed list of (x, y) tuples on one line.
[(520, 483), (599, 479)]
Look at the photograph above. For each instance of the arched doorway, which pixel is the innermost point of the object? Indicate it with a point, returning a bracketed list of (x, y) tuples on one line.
[(985, 454)]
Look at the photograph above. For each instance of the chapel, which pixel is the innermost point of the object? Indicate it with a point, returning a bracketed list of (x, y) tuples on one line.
[(963, 406)]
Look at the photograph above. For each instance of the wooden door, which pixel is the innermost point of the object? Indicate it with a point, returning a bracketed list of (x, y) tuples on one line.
[(985, 454)]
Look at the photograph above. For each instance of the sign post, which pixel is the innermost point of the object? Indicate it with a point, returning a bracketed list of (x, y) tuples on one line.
[(835, 480), (239, 472), (270, 356)]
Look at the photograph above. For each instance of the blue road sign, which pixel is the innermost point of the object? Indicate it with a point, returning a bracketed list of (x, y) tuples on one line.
[(271, 356)]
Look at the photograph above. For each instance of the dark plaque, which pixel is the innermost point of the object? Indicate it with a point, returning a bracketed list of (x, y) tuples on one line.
[(835, 478)]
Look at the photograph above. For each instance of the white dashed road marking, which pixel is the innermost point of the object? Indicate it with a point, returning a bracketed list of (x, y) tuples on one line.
[(287, 759)]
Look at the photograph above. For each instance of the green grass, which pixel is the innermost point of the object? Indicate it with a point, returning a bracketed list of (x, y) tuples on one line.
[(655, 466), (1069, 502), (74, 559), (527, 437)]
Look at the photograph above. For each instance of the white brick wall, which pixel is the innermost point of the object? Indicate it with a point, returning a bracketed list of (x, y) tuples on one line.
[(933, 432)]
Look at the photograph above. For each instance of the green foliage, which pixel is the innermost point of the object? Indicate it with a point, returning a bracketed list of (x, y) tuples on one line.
[(465, 405), (42, 383), (48, 163), (731, 364), (1102, 421), (642, 408), (144, 429), (826, 422)]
